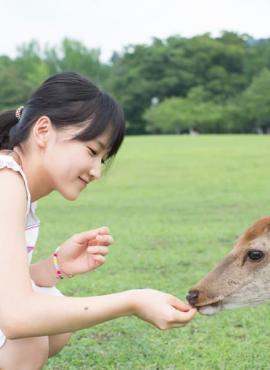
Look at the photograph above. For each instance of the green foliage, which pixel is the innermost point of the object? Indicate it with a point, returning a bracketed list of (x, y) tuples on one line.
[(172, 68), (256, 101), (72, 55), (167, 72), (178, 115), (257, 57), (19, 77), (14, 88)]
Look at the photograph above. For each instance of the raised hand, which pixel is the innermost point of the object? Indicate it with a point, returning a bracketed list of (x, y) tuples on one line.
[(85, 251)]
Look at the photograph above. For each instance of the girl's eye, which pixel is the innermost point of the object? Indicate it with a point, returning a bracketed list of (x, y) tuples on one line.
[(92, 152)]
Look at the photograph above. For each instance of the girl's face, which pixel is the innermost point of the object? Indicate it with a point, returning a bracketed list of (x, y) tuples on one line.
[(71, 165)]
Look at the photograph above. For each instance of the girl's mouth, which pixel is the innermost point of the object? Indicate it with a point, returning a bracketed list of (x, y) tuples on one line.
[(85, 182)]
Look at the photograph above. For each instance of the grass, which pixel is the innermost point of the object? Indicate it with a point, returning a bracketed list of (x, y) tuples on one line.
[(175, 205)]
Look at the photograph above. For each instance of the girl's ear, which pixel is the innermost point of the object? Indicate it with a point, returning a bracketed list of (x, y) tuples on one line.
[(42, 131)]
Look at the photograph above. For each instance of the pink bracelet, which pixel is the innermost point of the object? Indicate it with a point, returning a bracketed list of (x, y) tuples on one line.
[(57, 268)]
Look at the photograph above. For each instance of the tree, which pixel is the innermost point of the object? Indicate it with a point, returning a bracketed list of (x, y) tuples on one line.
[(20, 76), (171, 67), (72, 55), (178, 115), (257, 57), (14, 89), (256, 101)]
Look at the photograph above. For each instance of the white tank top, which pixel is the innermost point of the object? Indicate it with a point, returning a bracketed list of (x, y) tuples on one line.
[(32, 222), (31, 226)]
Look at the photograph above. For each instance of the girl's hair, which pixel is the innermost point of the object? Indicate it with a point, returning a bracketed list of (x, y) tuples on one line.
[(68, 99)]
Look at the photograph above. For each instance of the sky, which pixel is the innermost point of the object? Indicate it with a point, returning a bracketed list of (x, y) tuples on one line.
[(110, 25)]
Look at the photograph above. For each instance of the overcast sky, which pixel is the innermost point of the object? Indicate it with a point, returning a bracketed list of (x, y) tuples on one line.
[(112, 24)]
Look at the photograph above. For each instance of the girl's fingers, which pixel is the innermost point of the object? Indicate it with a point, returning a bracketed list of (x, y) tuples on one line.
[(104, 230), (184, 317), (98, 250), (179, 305), (88, 236), (105, 240), (99, 260)]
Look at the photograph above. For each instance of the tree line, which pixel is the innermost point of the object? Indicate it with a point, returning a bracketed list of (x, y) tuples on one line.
[(176, 85)]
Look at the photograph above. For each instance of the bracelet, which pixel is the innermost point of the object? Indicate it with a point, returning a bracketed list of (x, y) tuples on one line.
[(57, 268)]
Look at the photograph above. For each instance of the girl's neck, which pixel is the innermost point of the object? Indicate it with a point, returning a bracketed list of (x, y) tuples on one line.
[(37, 183)]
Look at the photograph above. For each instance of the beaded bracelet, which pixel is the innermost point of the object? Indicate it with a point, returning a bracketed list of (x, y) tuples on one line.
[(57, 268)]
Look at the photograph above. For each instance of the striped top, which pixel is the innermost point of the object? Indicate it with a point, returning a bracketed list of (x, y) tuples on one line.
[(31, 221)]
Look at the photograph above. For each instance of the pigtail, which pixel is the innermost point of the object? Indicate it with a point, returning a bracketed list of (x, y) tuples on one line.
[(8, 119)]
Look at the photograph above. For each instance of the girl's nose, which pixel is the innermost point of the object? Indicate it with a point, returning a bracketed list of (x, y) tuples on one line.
[(95, 170)]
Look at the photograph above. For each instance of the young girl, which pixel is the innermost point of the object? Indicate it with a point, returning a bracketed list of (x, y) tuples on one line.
[(58, 142)]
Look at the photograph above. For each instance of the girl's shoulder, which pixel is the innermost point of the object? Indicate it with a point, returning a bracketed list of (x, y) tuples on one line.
[(10, 160), (10, 157)]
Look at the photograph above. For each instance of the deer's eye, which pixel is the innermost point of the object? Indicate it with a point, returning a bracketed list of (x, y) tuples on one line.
[(255, 255)]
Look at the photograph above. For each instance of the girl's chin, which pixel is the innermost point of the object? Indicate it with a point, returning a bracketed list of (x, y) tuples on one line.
[(70, 195), (71, 198), (73, 192)]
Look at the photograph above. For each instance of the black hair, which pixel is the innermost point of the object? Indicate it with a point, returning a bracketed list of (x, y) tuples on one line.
[(68, 99)]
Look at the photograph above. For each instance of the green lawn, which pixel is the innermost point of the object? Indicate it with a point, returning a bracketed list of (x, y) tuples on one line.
[(175, 205)]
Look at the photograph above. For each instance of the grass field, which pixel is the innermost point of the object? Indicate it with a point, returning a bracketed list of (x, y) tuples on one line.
[(175, 205)]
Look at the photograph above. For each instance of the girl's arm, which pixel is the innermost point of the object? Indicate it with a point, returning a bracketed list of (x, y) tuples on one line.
[(40, 314), (24, 313), (43, 273)]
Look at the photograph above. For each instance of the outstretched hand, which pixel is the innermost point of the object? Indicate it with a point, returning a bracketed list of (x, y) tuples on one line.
[(163, 310), (85, 251)]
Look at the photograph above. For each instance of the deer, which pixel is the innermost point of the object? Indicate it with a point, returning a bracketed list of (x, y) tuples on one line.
[(241, 278)]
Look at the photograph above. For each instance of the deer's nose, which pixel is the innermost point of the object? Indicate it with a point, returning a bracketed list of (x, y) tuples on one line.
[(192, 296)]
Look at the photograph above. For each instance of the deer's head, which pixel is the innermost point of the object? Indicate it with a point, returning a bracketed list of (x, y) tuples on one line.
[(242, 278)]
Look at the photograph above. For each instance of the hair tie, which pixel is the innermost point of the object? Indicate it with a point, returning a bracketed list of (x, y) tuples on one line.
[(19, 111)]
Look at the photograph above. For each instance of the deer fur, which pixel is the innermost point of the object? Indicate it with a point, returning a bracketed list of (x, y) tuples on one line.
[(238, 280)]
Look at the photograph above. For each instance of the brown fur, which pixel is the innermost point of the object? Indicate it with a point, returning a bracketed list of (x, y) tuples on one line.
[(235, 270), (256, 230)]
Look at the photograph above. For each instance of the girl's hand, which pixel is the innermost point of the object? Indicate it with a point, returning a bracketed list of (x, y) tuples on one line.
[(161, 309), (85, 251)]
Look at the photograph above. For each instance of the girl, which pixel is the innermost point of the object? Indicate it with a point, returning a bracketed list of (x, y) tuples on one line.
[(58, 141)]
